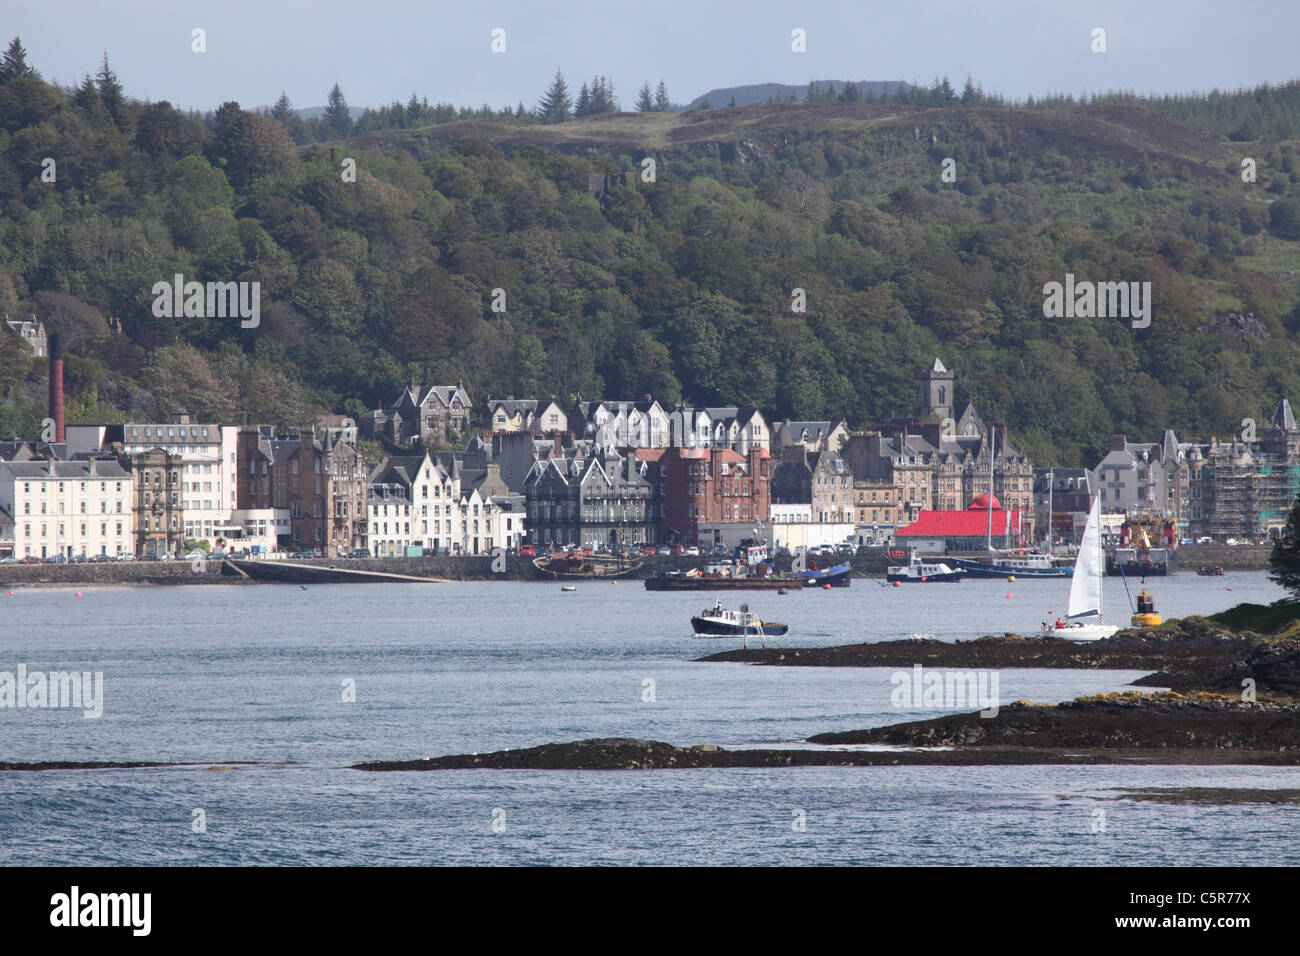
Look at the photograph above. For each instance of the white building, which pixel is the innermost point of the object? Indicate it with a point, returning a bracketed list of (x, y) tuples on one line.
[(68, 508), (208, 481)]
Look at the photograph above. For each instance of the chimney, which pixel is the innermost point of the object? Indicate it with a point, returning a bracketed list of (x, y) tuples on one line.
[(56, 385), (1118, 442)]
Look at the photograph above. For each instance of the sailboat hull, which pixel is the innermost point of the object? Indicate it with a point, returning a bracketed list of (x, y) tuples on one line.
[(1085, 632)]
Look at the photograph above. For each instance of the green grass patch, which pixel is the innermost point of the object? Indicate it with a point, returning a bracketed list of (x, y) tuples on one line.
[(1260, 618)]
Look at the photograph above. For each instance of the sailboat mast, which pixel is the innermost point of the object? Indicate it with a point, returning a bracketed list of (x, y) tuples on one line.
[(1101, 585), (992, 434), (1051, 480)]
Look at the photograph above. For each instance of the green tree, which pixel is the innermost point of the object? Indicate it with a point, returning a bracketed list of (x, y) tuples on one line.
[(556, 103), (1285, 559), (662, 103), (336, 121), (110, 92), (582, 106), (14, 64), (645, 100)]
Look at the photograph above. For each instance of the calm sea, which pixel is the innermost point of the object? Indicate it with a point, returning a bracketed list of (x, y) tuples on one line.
[(223, 675)]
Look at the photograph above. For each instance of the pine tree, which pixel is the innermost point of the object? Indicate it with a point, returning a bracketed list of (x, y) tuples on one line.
[(110, 91), (554, 106), (414, 109), (336, 120), (645, 101), (14, 65), (662, 103), (732, 102), (86, 96), (969, 95), (850, 93), (282, 112), (582, 106)]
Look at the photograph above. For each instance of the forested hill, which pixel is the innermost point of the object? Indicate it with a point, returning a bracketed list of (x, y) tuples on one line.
[(681, 287)]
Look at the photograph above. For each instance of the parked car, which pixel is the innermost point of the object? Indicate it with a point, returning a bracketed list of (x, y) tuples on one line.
[(359, 553), (527, 551), (693, 551), (31, 559), (676, 549), (99, 558), (1205, 540)]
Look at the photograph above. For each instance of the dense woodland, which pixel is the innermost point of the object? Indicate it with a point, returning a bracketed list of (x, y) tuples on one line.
[(680, 287)]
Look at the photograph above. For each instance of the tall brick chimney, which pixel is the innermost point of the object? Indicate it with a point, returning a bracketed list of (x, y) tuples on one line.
[(56, 385)]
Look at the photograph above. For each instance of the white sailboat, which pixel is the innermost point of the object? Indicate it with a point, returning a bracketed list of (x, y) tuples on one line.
[(1084, 620)]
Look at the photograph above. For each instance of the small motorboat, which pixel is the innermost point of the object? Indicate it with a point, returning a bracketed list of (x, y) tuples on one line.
[(718, 621), (924, 572), (1208, 571), (568, 587)]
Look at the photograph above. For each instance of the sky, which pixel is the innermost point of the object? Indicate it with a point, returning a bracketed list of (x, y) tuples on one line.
[(380, 51)]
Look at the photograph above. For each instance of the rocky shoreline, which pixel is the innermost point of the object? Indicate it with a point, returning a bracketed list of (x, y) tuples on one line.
[(1235, 699)]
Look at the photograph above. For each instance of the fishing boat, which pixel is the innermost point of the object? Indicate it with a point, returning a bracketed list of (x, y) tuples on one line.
[(837, 576), (718, 621), (1084, 621), (1024, 564), (920, 571), (1146, 548), (750, 569)]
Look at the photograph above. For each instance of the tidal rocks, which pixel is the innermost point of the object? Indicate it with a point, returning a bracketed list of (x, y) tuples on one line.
[(1193, 646), (1125, 721)]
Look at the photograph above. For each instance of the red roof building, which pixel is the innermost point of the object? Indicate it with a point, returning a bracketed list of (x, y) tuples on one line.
[(966, 530)]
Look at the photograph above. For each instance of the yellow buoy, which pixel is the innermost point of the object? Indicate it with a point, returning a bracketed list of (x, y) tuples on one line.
[(1146, 615)]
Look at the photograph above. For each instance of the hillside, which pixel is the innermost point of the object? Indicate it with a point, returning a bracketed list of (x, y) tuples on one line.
[(681, 287)]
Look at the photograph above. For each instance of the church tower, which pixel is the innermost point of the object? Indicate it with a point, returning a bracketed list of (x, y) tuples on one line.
[(936, 393)]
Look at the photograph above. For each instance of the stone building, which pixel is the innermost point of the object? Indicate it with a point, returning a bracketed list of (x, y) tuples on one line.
[(322, 483), (600, 500)]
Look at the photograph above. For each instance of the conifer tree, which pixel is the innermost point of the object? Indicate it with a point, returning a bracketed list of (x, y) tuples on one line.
[(662, 103), (582, 106), (555, 104), (14, 64), (110, 90), (336, 121), (645, 101)]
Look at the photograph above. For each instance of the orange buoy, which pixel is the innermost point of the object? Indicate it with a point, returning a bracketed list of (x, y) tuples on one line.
[(898, 584), (78, 594), (826, 587)]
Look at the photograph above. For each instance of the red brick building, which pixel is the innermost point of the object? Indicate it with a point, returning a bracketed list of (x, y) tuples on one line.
[(704, 485)]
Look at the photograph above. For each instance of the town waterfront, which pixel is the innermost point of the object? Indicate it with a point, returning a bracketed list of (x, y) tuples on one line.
[(221, 675)]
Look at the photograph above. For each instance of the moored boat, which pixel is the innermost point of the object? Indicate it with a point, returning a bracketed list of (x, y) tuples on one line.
[(718, 621), (579, 565), (1084, 621), (920, 571), (1030, 564)]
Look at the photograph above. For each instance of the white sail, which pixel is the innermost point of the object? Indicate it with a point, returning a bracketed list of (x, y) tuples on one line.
[(1085, 586)]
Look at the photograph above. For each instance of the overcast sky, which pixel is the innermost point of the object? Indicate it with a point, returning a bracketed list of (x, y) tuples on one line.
[(379, 50)]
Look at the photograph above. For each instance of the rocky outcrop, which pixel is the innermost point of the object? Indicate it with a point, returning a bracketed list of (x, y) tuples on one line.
[(1194, 645), (1131, 720)]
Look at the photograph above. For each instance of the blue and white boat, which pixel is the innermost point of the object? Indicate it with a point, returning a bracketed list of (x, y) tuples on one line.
[(1030, 564)]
